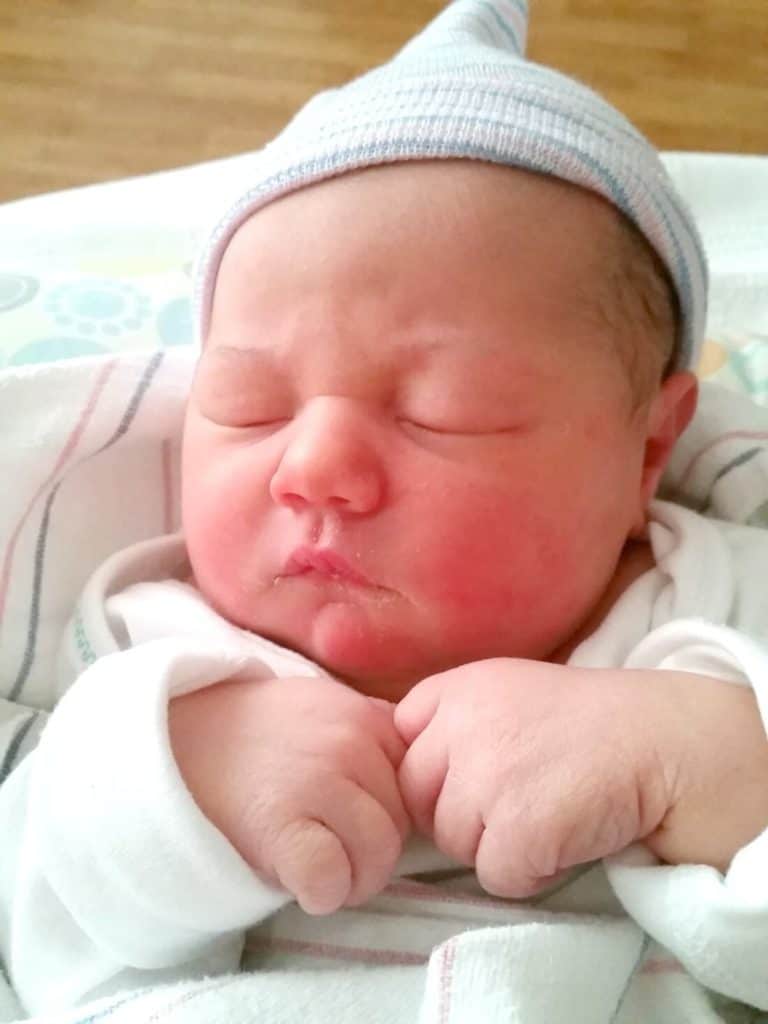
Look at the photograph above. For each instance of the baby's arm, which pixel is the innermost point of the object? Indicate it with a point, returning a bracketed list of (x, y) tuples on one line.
[(718, 800), (711, 909), (524, 769), (111, 876)]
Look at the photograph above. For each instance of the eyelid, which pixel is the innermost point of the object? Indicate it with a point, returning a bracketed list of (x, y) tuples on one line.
[(430, 428), (246, 423), (441, 431), (240, 422), (251, 431), (240, 407)]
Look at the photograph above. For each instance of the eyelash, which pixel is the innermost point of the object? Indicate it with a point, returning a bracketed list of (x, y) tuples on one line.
[(427, 429), (265, 426), (448, 433), (408, 425)]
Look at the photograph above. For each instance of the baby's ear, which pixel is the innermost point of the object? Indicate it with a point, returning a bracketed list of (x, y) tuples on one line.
[(669, 414)]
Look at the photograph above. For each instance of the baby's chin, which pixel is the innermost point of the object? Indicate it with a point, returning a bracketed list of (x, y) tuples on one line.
[(371, 639), (358, 639), (380, 663)]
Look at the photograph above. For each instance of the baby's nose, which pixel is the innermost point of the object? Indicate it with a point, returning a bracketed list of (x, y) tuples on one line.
[(330, 460)]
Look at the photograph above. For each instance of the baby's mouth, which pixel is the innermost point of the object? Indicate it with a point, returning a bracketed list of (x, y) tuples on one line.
[(323, 562)]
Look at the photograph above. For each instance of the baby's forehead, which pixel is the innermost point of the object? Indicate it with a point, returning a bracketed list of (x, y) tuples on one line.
[(440, 265), (425, 235), (473, 206)]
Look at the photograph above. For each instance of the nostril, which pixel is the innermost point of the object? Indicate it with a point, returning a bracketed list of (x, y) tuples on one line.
[(292, 500), (300, 502)]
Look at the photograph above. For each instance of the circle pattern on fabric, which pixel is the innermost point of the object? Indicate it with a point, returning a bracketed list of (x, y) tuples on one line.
[(94, 307), (174, 322), (16, 290), (48, 350)]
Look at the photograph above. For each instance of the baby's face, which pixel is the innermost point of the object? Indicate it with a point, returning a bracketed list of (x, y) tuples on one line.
[(407, 446)]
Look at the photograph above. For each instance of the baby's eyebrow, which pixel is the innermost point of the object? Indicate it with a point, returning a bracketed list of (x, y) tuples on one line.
[(240, 356)]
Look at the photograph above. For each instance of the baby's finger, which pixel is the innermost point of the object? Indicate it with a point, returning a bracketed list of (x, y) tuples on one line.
[(517, 860), (457, 822), (311, 863), (383, 727), (422, 776), (374, 773), (367, 834), (417, 709)]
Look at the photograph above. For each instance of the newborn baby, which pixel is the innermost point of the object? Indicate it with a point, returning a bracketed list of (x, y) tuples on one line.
[(426, 613), (420, 449)]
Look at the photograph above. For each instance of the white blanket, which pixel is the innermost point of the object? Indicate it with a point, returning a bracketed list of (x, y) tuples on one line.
[(89, 453)]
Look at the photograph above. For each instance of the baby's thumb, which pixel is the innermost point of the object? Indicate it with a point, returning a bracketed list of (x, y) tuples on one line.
[(417, 709)]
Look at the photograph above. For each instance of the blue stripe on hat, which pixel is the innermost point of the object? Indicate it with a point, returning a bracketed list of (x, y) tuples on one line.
[(594, 121), (507, 28), (465, 17)]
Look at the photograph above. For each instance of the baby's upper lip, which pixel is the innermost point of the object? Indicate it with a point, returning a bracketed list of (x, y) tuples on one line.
[(324, 561)]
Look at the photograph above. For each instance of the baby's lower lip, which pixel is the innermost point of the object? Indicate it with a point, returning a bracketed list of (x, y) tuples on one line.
[(323, 576)]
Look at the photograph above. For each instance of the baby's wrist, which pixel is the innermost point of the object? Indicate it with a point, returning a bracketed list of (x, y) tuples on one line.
[(718, 799)]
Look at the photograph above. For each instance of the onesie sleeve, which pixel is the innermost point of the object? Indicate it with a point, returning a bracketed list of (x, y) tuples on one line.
[(715, 924), (109, 869)]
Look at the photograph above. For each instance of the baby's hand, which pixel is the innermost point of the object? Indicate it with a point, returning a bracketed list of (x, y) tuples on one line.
[(524, 769), (300, 775)]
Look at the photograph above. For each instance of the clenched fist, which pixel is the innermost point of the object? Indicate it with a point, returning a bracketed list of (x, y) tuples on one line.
[(300, 775), (523, 769)]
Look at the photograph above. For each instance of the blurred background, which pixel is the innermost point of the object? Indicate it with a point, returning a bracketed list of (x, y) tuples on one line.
[(92, 90)]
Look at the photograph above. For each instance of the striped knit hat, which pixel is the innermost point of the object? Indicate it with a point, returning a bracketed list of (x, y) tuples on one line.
[(462, 88)]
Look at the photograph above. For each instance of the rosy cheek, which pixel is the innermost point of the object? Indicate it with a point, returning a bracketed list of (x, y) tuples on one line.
[(499, 558), (462, 558), (219, 515)]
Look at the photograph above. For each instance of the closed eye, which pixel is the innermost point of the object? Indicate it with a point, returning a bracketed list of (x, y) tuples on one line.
[(244, 424), (417, 427), (263, 426)]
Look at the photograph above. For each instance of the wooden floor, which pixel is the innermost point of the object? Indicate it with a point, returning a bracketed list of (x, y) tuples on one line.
[(98, 89)]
